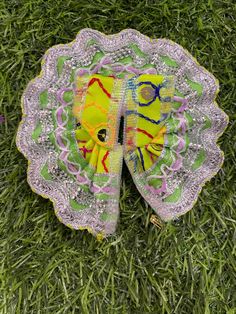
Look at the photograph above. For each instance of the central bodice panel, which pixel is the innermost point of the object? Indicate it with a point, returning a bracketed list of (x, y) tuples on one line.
[(145, 103)]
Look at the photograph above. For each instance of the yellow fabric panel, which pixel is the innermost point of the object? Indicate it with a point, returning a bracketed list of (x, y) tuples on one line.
[(96, 110), (153, 111)]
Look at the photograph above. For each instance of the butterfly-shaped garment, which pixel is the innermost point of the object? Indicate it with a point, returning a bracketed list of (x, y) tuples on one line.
[(71, 125)]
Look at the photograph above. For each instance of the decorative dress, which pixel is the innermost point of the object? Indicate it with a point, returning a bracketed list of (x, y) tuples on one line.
[(72, 115)]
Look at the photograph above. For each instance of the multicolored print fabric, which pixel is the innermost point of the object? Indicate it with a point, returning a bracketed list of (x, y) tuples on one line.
[(71, 124)]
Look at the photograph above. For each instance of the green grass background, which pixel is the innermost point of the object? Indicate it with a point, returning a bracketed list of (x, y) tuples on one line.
[(188, 266)]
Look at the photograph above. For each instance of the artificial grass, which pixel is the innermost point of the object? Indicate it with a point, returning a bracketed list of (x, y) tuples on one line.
[(186, 267)]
